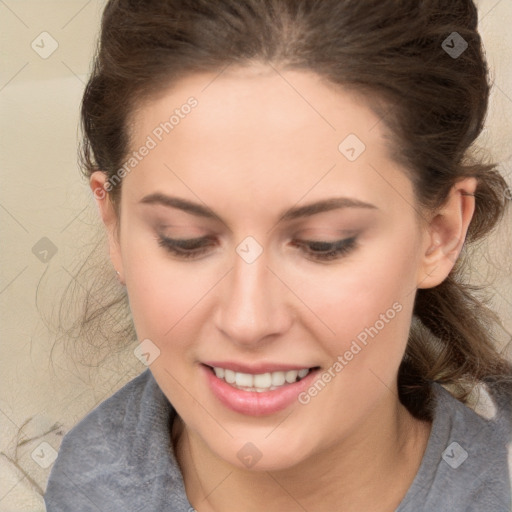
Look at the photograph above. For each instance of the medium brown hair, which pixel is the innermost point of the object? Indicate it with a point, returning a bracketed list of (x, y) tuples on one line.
[(432, 103)]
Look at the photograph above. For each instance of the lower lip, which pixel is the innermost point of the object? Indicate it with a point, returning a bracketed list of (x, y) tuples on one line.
[(254, 403)]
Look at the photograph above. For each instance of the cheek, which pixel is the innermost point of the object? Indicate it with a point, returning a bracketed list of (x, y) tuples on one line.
[(367, 303), (163, 292), (369, 306)]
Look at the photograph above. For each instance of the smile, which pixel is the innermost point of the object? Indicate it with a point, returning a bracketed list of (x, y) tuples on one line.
[(256, 389), (260, 382)]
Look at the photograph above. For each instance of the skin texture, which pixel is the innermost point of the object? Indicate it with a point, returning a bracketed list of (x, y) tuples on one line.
[(260, 142)]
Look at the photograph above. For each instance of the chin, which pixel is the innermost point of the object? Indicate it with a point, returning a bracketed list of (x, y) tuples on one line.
[(255, 453)]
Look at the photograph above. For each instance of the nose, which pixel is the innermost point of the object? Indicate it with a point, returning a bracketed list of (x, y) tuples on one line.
[(252, 309)]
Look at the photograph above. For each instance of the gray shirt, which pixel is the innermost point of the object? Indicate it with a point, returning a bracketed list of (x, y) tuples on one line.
[(120, 458)]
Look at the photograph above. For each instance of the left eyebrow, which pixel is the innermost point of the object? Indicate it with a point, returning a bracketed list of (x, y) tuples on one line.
[(325, 205), (297, 212)]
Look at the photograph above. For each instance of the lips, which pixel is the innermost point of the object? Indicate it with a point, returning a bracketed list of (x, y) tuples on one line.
[(265, 389)]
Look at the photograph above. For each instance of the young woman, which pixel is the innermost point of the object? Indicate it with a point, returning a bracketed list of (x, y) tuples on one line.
[(287, 187)]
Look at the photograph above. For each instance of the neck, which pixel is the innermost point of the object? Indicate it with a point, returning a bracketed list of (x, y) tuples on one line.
[(383, 456)]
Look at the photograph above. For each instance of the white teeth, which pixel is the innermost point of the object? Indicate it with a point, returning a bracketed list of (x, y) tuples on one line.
[(291, 376), (244, 380), (263, 380), (229, 376), (260, 382), (278, 378)]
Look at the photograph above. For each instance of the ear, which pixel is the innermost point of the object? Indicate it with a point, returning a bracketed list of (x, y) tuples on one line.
[(445, 234), (97, 182)]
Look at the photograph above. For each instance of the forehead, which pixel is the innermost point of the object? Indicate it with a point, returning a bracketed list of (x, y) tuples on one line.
[(260, 102), (266, 133)]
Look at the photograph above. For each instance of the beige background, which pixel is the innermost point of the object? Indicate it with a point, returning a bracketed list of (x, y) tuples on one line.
[(44, 393)]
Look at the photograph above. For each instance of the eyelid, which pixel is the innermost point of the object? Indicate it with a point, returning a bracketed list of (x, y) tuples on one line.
[(184, 242), (193, 248), (332, 243), (180, 247), (337, 249)]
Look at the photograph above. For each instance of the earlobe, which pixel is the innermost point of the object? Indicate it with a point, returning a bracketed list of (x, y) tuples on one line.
[(109, 217), (446, 233)]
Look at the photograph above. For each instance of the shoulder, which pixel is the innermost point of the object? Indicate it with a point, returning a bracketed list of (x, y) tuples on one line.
[(109, 426), (490, 412), (115, 457), (467, 463), (496, 404)]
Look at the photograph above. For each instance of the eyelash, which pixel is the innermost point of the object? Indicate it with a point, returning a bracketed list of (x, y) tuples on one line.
[(195, 247), (329, 250)]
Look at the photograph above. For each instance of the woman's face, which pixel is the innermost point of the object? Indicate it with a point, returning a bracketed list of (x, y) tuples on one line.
[(269, 174)]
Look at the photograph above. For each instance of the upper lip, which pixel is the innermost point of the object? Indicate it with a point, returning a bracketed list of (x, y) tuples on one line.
[(255, 368)]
